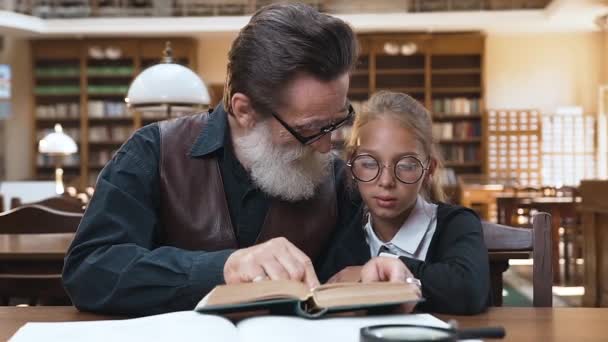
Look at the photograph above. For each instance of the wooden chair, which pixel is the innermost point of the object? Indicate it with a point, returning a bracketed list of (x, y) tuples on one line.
[(15, 202), (63, 203), (503, 240), (594, 208), (39, 279), (38, 219)]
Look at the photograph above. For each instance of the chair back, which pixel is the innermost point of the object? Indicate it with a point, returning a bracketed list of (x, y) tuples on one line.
[(63, 203), (16, 202), (38, 219), (500, 239)]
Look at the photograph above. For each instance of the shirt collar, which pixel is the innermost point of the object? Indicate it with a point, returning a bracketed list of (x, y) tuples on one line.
[(412, 231), (212, 135), (415, 227)]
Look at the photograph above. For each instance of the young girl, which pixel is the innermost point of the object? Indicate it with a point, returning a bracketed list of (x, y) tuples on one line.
[(394, 163)]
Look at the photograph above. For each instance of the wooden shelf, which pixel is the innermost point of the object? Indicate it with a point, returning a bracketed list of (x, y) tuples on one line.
[(358, 90), (59, 65), (455, 90), (400, 72), (360, 73), (111, 76), (462, 164), (105, 144), (121, 94), (408, 90), (456, 71), (111, 120), (449, 117), (460, 141), (52, 121), (66, 168), (70, 95), (58, 77)]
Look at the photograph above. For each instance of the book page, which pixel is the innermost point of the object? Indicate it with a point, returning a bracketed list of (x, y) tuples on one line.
[(347, 294), (252, 292), (176, 326), (295, 329)]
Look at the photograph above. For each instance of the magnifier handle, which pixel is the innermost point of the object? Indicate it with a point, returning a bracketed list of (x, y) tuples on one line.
[(489, 332)]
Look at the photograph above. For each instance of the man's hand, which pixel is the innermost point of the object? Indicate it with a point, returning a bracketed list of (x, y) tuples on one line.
[(276, 259), (391, 270)]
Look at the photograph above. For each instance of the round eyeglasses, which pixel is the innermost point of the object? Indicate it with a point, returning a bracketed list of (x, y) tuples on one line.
[(366, 168)]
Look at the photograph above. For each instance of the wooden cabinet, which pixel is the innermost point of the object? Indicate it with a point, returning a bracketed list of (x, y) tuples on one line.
[(82, 84)]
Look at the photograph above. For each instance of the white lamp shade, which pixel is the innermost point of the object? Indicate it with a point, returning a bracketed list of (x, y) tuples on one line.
[(167, 83), (57, 143)]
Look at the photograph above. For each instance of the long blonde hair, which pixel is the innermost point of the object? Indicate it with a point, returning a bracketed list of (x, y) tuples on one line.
[(412, 116)]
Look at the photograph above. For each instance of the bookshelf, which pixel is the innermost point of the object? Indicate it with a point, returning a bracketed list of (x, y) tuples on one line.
[(81, 84), (444, 71)]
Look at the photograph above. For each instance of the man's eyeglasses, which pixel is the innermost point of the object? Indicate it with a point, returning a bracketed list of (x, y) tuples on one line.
[(307, 139), (366, 168)]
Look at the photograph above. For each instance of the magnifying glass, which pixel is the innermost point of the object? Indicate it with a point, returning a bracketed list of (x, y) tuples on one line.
[(421, 333)]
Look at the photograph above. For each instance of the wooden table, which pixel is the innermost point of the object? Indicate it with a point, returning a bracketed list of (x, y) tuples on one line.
[(521, 324), (44, 253)]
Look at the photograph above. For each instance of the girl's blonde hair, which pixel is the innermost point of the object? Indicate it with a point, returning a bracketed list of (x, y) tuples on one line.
[(412, 116)]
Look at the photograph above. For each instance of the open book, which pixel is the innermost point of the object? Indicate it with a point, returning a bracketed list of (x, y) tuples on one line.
[(191, 326), (295, 298)]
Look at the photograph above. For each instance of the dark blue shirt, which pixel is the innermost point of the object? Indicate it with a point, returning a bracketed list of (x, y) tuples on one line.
[(118, 264)]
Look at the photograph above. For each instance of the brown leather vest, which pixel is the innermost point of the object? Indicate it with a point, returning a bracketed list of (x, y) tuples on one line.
[(194, 209)]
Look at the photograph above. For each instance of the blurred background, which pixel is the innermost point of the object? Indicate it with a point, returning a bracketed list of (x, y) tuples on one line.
[(518, 90)]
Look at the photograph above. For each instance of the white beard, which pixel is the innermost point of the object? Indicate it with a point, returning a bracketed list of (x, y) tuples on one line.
[(291, 173)]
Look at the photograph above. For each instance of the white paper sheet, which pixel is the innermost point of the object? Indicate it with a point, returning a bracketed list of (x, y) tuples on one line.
[(176, 326), (193, 326)]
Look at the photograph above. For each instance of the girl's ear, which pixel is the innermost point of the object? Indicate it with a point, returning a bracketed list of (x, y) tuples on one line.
[(428, 177)]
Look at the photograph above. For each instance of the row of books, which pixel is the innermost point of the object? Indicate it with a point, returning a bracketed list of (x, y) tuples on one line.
[(448, 177), (57, 90), (456, 130), (100, 158), (106, 71), (107, 89), (460, 154), (58, 111), (57, 71), (74, 71), (108, 109), (457, 106), (104, 134)]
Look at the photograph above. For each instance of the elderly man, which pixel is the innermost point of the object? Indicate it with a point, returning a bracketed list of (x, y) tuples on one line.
[(249, 191)]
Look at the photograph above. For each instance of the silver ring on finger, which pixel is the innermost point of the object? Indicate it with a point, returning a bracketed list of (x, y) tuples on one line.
[(414, 281)]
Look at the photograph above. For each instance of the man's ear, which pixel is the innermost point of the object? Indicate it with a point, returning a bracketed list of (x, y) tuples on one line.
[(242, 110)]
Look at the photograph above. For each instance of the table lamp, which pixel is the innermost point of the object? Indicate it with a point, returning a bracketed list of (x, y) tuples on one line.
[(58, 145)]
